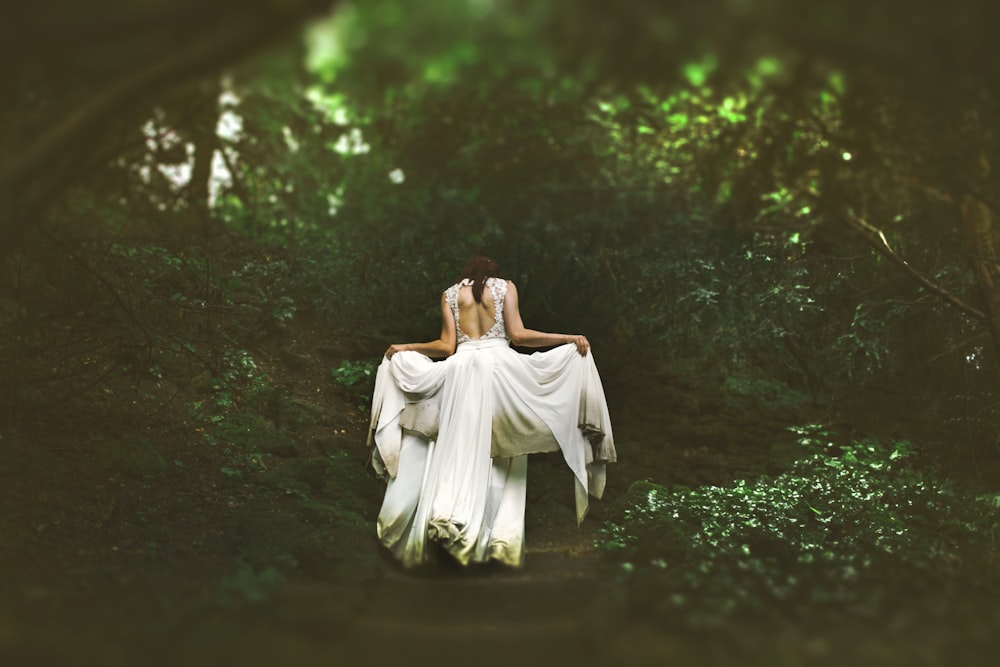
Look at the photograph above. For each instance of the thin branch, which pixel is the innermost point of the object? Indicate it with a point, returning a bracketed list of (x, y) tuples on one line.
[(36, 351), (80, 391), (112, 290), (216, 373), (876, 238), (60, 377), (957, 348)]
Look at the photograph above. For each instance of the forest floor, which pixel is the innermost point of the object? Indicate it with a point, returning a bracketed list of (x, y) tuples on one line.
[(127, 536)]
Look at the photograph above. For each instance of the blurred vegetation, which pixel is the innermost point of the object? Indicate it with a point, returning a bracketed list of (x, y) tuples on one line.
[(848, 527), (798, 210), (793, 203)]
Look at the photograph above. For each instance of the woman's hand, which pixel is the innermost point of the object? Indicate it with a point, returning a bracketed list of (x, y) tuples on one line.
[(393, 349), (581, 342)]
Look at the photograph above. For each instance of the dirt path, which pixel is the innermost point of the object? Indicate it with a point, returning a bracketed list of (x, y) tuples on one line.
[(555, 599)]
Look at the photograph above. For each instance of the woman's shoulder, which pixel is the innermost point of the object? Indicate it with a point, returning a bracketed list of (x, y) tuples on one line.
[(500, 283)]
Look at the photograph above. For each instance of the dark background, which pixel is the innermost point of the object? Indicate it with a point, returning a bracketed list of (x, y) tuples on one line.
[(775, 221)]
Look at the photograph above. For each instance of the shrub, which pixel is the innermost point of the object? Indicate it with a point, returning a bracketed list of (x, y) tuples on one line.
[(848, 526)]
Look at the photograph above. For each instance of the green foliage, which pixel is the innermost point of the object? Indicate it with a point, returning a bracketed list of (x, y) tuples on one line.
[(261, 286), (241, 385), (765, 391), (693, 207), (350, 373), (758, 313), (242, 371), (358, 378), (850, 525)]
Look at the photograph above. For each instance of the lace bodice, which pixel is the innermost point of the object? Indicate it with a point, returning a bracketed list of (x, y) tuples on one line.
[(498, 288)]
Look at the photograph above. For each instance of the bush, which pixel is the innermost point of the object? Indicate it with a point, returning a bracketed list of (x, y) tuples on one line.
[(845, 527)]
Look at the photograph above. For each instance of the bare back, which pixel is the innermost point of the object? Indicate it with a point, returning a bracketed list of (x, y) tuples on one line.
[(475, 318), (477, 321)]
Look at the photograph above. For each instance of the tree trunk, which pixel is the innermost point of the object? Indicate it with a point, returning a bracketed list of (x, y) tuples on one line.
[(223, 38), (205, 143)]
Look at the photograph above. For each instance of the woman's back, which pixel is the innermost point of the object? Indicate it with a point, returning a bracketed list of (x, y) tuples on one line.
[(454, 437), (476, 320)]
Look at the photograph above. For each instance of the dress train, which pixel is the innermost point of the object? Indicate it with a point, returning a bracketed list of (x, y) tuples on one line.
[(451, 438)]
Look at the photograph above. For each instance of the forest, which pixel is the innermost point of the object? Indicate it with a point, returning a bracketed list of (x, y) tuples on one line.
[(777, 222)]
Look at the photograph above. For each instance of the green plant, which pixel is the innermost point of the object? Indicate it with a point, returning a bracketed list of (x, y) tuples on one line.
[(357, 378), (350, 373), (848, 525)]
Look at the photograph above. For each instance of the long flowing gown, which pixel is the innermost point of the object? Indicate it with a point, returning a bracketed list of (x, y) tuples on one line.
[(452, 439)]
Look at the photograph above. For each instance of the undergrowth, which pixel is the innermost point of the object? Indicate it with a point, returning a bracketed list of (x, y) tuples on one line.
[(848, 528)]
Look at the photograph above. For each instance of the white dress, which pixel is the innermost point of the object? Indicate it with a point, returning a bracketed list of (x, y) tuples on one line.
[(451, 437)]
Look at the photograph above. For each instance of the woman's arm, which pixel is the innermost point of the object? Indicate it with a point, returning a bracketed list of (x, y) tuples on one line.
[(442, 347), (522, 336)]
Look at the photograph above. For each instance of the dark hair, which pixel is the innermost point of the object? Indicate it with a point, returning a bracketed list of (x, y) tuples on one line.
[(478, 270)]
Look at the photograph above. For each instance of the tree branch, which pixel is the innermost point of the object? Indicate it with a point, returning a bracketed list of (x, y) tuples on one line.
[(959, 347), (223, 45), (112, 290), (876, 238)]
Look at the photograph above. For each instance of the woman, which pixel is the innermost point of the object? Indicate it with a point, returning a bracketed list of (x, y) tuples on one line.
[(452, 437)]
